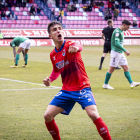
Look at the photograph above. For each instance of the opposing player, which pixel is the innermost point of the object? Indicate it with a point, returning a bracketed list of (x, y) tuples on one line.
[(23, 45), (67, 61), (117, 55), (106, 36)]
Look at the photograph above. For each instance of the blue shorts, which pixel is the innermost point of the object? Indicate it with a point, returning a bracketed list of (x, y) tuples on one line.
[(67, 99)]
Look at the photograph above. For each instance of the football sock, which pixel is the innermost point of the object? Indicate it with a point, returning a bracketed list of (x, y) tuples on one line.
[(102, 129), (102, 59), (53, 129), (17, 58), (107, 78), (128, 76), (26, 59)]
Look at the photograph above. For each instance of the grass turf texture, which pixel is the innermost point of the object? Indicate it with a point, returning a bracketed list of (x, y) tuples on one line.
[(22, 110)]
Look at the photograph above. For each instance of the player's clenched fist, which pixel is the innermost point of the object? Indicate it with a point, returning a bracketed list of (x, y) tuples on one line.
[(73, 49), (47, 81)]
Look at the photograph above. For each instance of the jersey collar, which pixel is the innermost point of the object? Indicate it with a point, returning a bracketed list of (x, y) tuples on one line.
[(60, 48)]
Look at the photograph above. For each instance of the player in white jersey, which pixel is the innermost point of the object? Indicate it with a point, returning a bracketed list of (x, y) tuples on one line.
[(118, 57)]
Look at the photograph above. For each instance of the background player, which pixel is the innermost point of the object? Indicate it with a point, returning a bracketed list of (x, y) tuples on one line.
[(117, 55), (106, 36), (67, 61), (24, 46)]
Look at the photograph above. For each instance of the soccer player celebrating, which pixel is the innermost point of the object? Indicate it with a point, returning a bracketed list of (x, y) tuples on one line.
[(117, 55), (24, 46), (67, 61)]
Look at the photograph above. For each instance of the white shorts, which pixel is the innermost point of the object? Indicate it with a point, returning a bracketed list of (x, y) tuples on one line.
[(26, 44), (117, 59)]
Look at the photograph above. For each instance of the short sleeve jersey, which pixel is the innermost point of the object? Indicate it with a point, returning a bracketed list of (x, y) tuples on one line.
[(18, 40), (107, 31), (117, 35), (71, 68)]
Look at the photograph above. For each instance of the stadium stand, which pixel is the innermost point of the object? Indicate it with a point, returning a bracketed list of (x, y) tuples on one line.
[(74, 20)]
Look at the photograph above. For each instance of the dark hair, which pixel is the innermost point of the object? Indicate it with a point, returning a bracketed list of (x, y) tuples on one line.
[(109, 21), (52, 24), (126, 22)]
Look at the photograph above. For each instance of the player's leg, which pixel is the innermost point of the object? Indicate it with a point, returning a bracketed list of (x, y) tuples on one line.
[(114, 61), (17, 56), (107, 78), (28, 44), (26, 58), (105, 51), (128, 77), (49, 115), (98, 121)]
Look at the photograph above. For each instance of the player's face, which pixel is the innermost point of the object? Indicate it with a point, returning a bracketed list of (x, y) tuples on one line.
[(126, 27), (57, 33)]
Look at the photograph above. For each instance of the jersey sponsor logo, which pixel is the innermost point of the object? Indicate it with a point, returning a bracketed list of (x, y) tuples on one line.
[(61, 64), (63, 52), (117, 34)]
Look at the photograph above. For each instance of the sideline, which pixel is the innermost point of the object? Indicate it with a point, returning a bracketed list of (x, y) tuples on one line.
[(50, 87)]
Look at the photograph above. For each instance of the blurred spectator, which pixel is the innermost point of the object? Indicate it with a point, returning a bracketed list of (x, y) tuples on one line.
[(85, 7), (83, 1), (24, 3), (135, 25), (73, 8), (94, 5), (10, 3), (69, 7), (115, 13), (101, 8), (53, 15), (19, 3), (123, 4), (139, 24), (57, 3), (106, 14), (11, 15), (110, 15), (113, 1), (32, 10), (3, 16), (102, 3), (109, 3), (127, 5), (39, 11), (116, 4), (68, 1), (61, 14), (113, 7), (1, 6)]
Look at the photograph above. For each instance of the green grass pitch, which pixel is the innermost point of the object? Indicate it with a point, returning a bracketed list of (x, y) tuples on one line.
[(22, 105)]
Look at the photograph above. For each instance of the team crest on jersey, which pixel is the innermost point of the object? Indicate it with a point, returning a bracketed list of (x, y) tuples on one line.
[(63, 52)]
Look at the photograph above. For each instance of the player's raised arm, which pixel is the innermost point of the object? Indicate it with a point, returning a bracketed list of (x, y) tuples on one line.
[(75, 48)]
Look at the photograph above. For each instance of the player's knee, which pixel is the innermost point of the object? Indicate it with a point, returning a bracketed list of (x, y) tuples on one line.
[(48, 117), (93, 115)]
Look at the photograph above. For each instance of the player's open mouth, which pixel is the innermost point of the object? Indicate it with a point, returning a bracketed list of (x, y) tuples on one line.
[(59, 36)]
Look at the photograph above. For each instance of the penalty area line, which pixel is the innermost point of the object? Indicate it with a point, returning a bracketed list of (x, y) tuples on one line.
[(27, 82)]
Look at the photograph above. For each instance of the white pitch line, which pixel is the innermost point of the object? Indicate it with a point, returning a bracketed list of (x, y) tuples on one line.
[(25, 89), (27, 82)]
